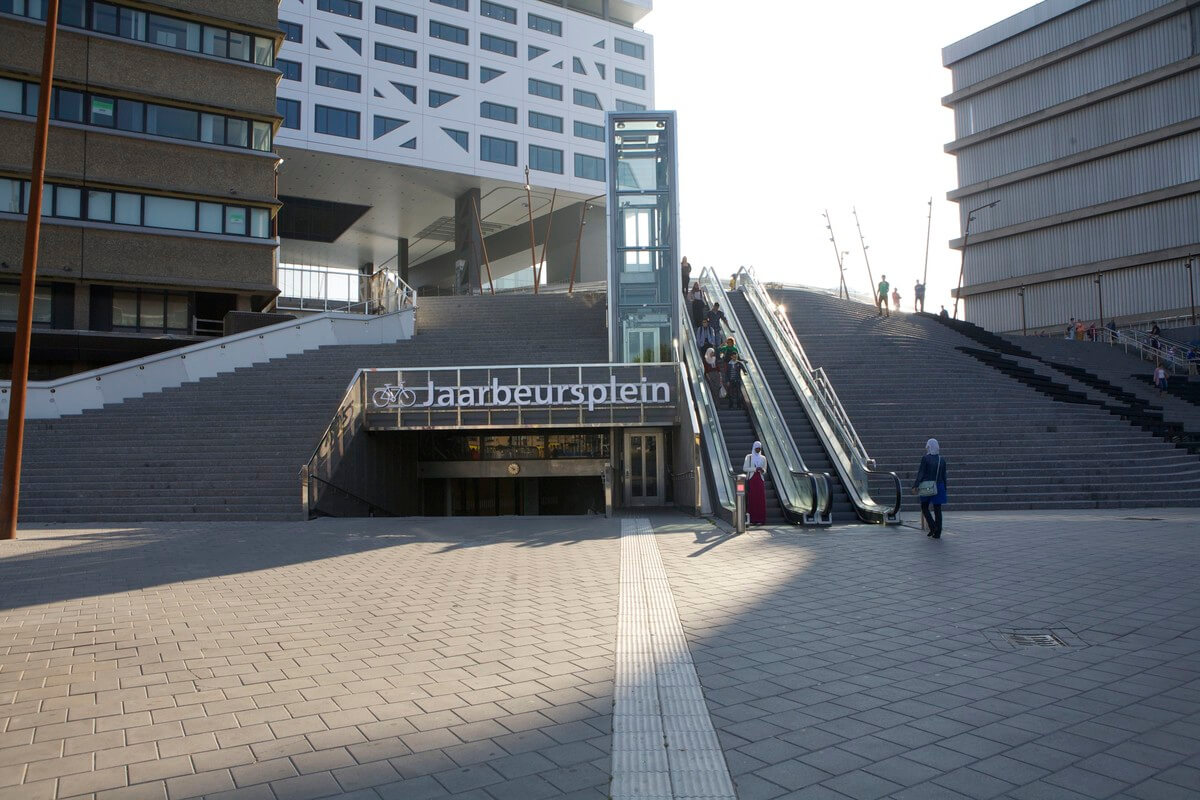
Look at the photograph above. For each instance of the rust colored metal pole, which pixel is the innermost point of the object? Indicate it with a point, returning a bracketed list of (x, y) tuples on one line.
[(532, 243), (483, 244), (867, 259), (546, 242), (578, 241), (11, 489)]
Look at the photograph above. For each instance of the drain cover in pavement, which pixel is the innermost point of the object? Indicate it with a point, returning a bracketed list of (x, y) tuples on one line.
[(1034, 639), (1146, 519)]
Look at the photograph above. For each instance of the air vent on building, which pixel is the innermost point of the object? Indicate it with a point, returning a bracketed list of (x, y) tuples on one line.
[(442, 229)]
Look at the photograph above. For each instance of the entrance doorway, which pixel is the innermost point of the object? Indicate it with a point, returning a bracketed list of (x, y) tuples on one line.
[(644, 467)]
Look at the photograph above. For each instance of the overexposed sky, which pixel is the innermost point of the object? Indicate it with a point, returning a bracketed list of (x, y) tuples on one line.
[(787, 108)]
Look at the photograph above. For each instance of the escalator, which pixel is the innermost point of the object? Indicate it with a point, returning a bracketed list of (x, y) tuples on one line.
[(738, 432), (803, 434)]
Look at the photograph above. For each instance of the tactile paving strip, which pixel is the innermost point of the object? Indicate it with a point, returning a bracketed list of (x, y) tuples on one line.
[(664, 745)]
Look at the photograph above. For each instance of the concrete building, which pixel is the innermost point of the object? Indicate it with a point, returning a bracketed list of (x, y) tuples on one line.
[(1080, 121), (160, 178), (408, 126)]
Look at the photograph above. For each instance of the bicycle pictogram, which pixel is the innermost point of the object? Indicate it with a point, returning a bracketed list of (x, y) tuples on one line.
[(393, 396)]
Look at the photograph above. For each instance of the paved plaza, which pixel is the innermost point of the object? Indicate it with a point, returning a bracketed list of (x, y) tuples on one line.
[(480, 658)]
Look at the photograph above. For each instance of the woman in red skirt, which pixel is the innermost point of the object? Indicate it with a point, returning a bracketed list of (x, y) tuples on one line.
[(755, 467)]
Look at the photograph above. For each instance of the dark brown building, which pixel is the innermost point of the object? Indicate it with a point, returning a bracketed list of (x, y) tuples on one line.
[(160, 199)]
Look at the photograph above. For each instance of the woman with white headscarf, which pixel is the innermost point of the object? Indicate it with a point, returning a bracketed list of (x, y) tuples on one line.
[(930, 486), (755, 467)]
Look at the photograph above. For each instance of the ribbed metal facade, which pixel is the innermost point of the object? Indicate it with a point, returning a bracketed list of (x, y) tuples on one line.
[(1089, 200)]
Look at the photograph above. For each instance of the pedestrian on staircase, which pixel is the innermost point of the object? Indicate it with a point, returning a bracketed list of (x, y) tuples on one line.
[(1160, 378), (896, 298), (1154, 334), (930, 486), (696, 296), (944, 313), (727, 351), (1070, 329), (733, 383), (717, 317), (755, 467), (882, 302), (685, 270), (706, 335), (712, 373), (919, 297)]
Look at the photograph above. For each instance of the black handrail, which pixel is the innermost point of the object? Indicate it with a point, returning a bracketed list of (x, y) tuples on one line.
[(363, 500), (899, 492)]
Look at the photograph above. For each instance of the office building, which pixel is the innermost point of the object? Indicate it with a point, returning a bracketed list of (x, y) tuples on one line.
[(1080, 121)]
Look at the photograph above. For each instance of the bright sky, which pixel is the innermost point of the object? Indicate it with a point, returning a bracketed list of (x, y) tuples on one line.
[(788, 108)]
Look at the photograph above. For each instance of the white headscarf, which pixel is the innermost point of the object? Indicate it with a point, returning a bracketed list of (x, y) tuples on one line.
[(757, 459), (711, 357), (932, 447)]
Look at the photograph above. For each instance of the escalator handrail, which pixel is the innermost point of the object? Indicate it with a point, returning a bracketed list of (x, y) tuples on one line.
[(709, 423), (767, 416)]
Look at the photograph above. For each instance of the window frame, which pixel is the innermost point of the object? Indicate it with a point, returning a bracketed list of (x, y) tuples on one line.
[(486, 148), (323, 110), (408, 57), (537, 152)]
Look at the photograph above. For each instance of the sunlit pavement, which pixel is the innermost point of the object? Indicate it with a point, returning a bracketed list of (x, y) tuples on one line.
[(475, 658)]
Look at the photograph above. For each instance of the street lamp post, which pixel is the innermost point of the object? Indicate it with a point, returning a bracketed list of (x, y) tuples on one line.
[(1191, 286), (1021, 294), (962, 267), (1100, 297)]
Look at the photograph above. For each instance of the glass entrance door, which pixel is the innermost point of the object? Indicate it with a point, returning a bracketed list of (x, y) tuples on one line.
[(642, 345), (643, 467)]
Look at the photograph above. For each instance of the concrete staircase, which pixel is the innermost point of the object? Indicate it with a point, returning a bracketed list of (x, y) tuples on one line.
[(740, 436), (1008, 445), (230, 447), (798, 424)]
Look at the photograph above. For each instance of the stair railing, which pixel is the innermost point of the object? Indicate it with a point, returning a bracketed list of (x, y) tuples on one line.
[(348, 421), (1152, 348), (826, 411), (711, 439), (806, 495)]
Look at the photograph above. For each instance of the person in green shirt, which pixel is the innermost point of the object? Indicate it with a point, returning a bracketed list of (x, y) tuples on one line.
[(882, 303)]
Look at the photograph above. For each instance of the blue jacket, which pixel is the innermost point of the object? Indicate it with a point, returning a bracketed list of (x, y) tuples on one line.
[(933, 468)]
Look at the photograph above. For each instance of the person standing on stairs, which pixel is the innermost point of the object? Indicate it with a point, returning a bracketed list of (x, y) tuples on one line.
[(717, 317), (712, 373), (725, 352), (696, 296), (1160, 378), (930, 486), (733, 383), (706, 335), (896, 298), (882, 302), (755, 467), (685, 269), (919, 297), (944, 313)]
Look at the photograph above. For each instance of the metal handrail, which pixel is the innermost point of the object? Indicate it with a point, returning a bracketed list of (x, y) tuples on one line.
[(1168, 350), (386, 291), (829, 416), (767, 418), (351, 409), (350, 494)]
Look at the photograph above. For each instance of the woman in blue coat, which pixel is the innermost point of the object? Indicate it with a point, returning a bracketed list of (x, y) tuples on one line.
[(932, 472)]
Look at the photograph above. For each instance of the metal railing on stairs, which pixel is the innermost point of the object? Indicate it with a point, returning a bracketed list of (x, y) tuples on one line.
[(825, 410), (805, 494), (1157, 349), (304, 288)]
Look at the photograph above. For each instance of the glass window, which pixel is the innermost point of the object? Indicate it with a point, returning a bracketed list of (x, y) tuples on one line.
[(260, 223), (406, 89), (625, 105), (290, 111), (336, 122), (498, 112), (545, 159), (498, 151), (216, 40), (292, 70), (129, 115), (461, 138), (395, 55), (497, 11), (546, 122), (240, 45), (102, 111), (629, 48), (586, 130), (291, 31), (336, 79), (600, 69), (496, 44), (178, 123), (545, 89), (212, 128), (67, 200), (210, 218), (237, 132), (627, 78), (346, 8), (588, 100), (124, 309), (70, 12), (104, 18), (132, 24), (128, 209), (461, 5), (264, 51), (577, 65), (177, 312), (10, 196), (170, 212), (385, 125), (438, 99), (235, 220), (151, 306), (353, 42), (545, 25), (448, 66), (449, 33), (487, 74), (171, 32), (260, 136), (589, 167), (100, 206), (11, 95), (68, 105), (43, 307), (395, 19)]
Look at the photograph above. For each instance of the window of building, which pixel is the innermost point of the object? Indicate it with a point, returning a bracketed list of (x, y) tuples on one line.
[(292, 31), (290, 111), (541, 88), (461, 5), (629, 49), (336, 79), (353, 42), (488, 74), (68, 105), (321, 45), (448, 33), (627, 78), (587, 99), (171, 32), (345, 8), (586, 130), (600, 69), (577, 66), (411, 144), (176, 123), (395, 55), (545, 159), (497, 151), (99, 206), (406, 89), (545, 25), (499, 112), (448, 66), (461, 138), (589, 167), (385, 125), (43, 303), (395, 19), (496, 44), (545, 122), (292, 70), (533, 52), (626, 105), (169, 212), (497, 11), (336, 122), (438, 99), (150, 310)]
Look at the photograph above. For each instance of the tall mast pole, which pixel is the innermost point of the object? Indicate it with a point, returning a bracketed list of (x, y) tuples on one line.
[(842, 290), (863, 242), (928, 230), (533, 262)]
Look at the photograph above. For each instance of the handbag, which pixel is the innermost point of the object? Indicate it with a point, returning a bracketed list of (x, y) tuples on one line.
[(723, 394), (930, 488)]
